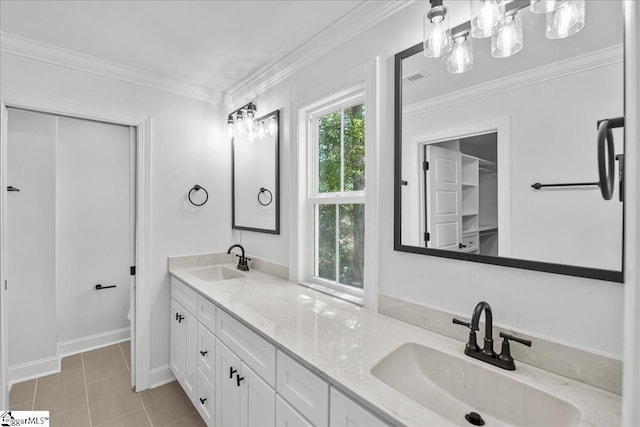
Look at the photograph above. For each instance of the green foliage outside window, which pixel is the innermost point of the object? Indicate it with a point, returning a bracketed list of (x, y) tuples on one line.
[(341, 168)]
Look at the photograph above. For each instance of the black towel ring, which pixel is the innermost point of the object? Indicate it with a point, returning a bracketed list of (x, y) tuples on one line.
[(606, 159), (264, 190), (198, 188)]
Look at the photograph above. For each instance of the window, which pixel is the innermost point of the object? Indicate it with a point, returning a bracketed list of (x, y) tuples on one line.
[(336, 197)]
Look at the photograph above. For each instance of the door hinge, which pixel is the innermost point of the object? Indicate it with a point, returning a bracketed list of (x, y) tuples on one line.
[(427, 236), (425, 165), (132, 270)]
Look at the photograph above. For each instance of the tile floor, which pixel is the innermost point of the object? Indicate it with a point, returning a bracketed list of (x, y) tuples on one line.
[(93, 389)]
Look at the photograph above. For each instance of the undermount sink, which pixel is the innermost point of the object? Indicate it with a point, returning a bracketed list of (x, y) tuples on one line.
[(453, 387), (216, 274)]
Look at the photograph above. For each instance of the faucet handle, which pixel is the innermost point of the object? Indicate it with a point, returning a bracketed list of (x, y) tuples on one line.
[(472, 343), (522, 341), (460, 322)]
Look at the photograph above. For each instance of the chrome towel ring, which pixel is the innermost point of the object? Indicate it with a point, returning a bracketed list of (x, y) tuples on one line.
[(262, 191), (198, 188)]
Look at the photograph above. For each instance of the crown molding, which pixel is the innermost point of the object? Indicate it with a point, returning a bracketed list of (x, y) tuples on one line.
[(21, 46), (577, 64), (355, 22)]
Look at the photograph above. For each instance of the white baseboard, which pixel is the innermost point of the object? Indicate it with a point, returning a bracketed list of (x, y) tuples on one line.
[(80, 345), (30, 370), (160, 376), (51, 365)]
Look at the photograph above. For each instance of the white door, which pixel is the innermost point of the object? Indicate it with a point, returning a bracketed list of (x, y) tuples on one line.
[(444, 198), (93, 236), (178, 336)]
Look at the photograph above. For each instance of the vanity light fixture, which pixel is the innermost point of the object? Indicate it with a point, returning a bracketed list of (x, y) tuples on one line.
[(498, 19), (243, 122), (461, 57), (508, 39), (437, 34), (486, 17), (566, 20)]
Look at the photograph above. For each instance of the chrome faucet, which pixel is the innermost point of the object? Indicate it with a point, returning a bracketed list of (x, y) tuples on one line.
[(242, 262), (504, 360)]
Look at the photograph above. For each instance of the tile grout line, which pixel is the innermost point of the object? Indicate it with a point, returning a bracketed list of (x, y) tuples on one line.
[(145, 408), (35, 389), (124, 357), (86, 389)]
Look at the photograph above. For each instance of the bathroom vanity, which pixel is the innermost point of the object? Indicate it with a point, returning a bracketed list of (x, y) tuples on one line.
[(251, 349)]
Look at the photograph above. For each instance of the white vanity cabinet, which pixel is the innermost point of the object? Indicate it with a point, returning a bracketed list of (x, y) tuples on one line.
[(347, 413), (184, 330), (235, 377)]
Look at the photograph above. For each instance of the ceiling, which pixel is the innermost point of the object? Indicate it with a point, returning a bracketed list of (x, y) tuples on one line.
[(211, 44)]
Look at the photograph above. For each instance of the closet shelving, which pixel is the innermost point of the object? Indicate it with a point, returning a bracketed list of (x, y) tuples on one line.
[(478, 230)]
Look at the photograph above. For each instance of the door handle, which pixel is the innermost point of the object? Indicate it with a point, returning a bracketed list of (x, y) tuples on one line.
[(238, 379), (203, 400), (232, 371), (460, 245), (204, 353)]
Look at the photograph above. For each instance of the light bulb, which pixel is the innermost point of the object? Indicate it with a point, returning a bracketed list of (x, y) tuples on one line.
[(239, 124), (545, 6), (461, 57), (251, 115), (486, 15), (566, 20), (508, 40), (436, 33)]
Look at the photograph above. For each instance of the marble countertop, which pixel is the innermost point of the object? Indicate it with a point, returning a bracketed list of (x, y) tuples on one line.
[(341, 342)]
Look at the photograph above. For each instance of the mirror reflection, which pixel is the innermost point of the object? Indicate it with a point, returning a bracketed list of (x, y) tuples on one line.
[(255, 176), (474, 143)]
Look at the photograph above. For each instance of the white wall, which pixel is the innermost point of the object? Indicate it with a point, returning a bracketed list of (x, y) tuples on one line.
[(188, 146), (581, 312)]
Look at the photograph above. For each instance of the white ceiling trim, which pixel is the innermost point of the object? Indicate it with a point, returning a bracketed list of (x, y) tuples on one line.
[(21, 46), (355, 22)]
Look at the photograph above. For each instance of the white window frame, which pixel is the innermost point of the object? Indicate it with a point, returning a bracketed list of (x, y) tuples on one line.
[(364, 78), (336, 198)]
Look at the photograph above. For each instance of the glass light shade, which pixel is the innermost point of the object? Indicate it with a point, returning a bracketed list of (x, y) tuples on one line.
[(508, 40), (230, 126), (461, 57), (437, 36), (261, 131), (566, 20), (486, 17), (239, 124), (545, 6)]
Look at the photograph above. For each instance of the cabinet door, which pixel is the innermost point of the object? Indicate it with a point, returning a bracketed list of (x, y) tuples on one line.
[(257, 401), (178, 340), (286, 416), (347, 413), (227, 390), (205, 398), (190, 354)]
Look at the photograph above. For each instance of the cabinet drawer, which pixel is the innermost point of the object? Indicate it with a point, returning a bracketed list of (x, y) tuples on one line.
[(347, 413), (303, 390), (206, 353), (254, 350), (184, 295), (205, 399), (207, 313), (286, 416), (470, 241)]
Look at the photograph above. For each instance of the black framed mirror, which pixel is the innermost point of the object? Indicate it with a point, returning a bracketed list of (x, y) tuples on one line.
[(499, 164), (255, 176)]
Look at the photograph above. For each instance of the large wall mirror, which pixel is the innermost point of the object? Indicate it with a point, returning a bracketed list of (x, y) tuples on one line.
[(499, 164), (256, 177)]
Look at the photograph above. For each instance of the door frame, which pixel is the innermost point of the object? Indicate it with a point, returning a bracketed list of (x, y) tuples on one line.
[(142, 123)]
